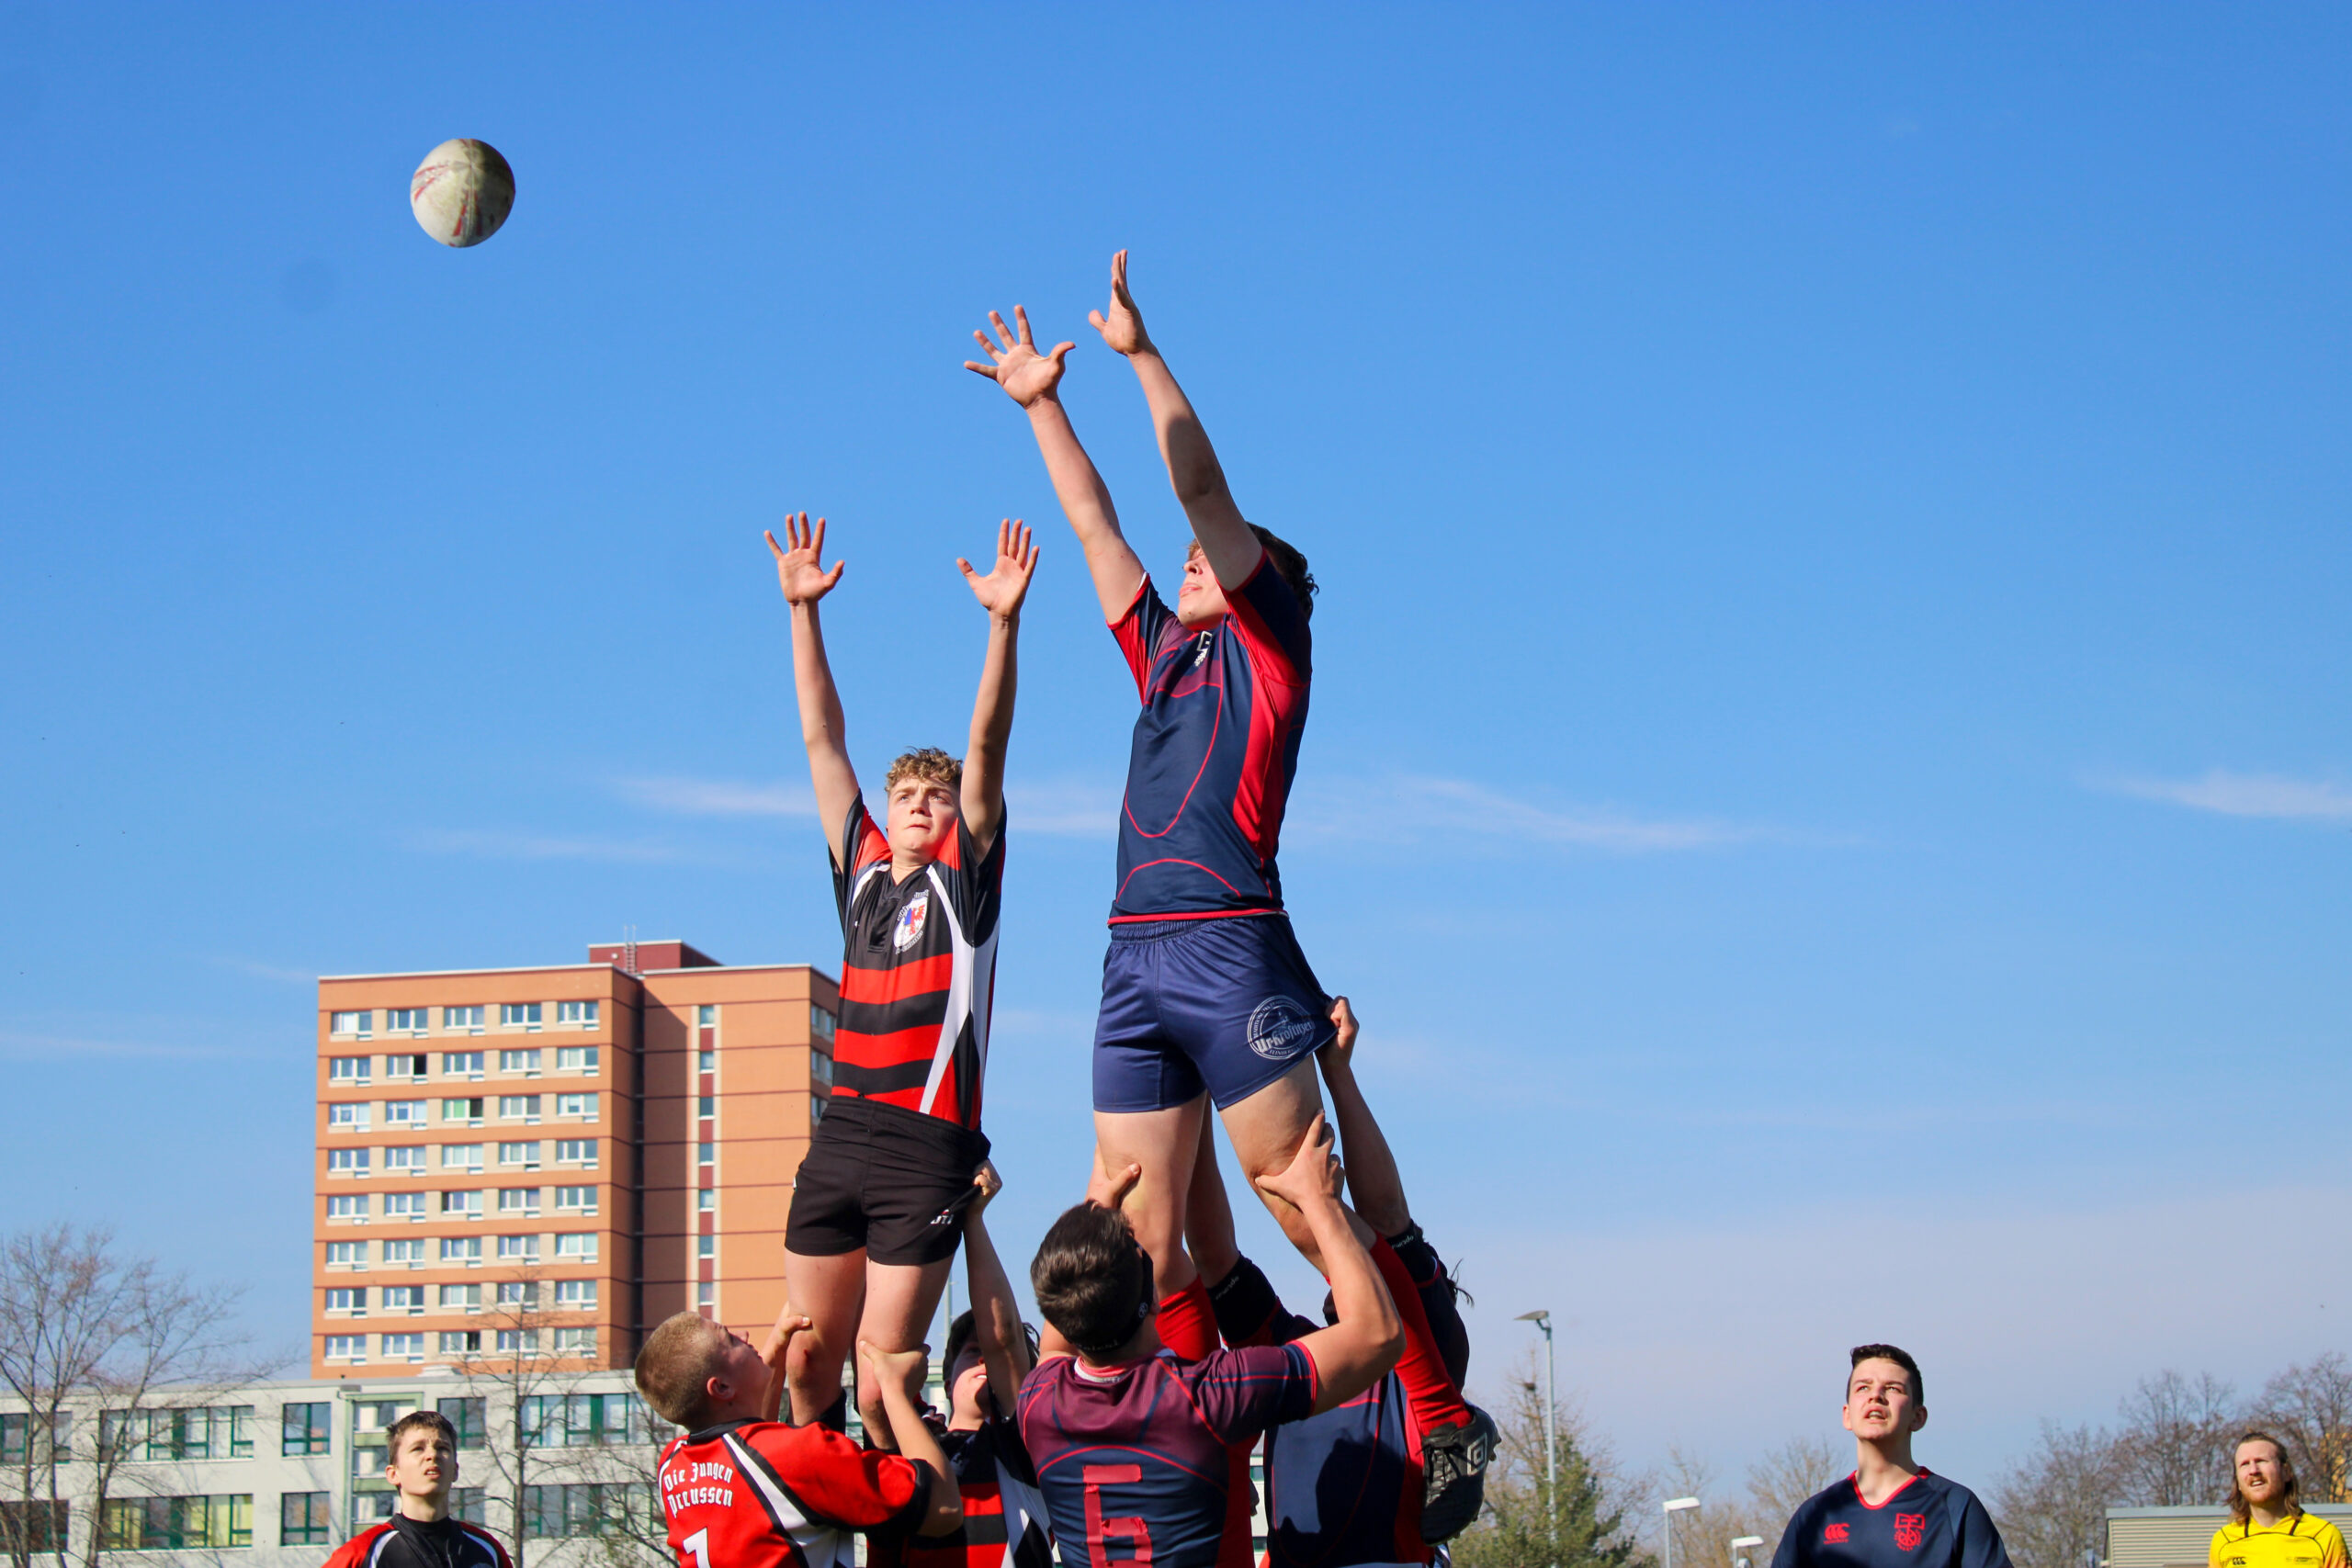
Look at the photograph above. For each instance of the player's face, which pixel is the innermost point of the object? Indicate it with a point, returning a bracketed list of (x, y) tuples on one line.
[(968, 1384), (1200, 602), (922, 813), (2259, 1475), (740, 1364), (1878, 1405), (425, 1465)]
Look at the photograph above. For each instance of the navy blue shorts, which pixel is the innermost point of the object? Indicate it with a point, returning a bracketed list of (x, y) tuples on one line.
[(1226, 1006)]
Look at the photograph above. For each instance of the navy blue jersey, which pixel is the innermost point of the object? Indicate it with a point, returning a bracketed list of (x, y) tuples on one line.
[(1929, 1523), (1215, 749)]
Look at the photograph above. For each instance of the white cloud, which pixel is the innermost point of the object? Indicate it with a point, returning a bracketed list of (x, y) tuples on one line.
[(1407, 808), (1063, 808), (2247, 794), (52, 1045), (719, 797), (494, 845)]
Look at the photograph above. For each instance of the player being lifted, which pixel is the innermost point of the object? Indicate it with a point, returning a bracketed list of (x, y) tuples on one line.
[(1206, 993), (877, 1204)]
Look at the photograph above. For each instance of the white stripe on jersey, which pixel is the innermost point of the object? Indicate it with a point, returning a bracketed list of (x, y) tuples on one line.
[(971, 979), (821, 1546)]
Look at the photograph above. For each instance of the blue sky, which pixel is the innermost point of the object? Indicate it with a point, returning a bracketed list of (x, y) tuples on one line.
[(1827, 779)]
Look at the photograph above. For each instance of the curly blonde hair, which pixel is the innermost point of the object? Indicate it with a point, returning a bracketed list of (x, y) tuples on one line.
[(925, 762)]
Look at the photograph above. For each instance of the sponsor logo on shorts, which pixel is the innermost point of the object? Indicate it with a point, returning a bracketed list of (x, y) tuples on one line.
[(907, 931), (1835, 1533), (1909, 1528), (1280, 1029)]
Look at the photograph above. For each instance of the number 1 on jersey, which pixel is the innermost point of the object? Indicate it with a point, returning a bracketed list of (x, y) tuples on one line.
[(699, 1544)]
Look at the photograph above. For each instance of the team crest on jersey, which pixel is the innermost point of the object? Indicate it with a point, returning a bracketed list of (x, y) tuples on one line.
[(1279, 1028), (906, 930), (1835, 1534), (1909, 1528)]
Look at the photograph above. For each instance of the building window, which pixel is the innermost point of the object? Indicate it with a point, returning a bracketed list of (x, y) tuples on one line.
[(347, 1300), (707, 1201), (518, 1249), (469, 1415), (525, 1062), (582, 1420), (705, 1294), (403, 1348), (460, 1342), (303, 1518), (575, 1341), (576, 1059), (303, 1429), (404, 1298), (348, 1206), (461, 1298), (346, 1255), (195, 1432), (348, 1117), (582, 1106), (820, 1072), (464, 1249), (518, 1295), (461, 1018), (414, 1065), (519, 1341), (410, 1252), (576, 1295), (361, 1023), (518, 1107), (706, 1247), (577, 1015), (513, 1201), (467, 1204), (347, 1072), (820, 1023), (461, 1156), (575, 1151), (37, 1527), (575, 1200), (347, 1162), (461, 1064), (177, 1524), (707, 1106), (465, 1113), (706, 1061), (706, 1016), (405, 1205), (347, 1347), (414, 1021), (706, 1154), (575, 1247), (518, 1015), (404, 1113), (525, 1154), (408, 1160)]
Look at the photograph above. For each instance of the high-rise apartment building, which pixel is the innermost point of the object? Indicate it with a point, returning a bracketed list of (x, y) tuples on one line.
[(547, 1162)]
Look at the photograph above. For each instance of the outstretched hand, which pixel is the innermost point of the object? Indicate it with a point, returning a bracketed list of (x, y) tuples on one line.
[(778, 1338), (797, 569), (1007, 583), (1121, 326), (1313, 1175), (1014, 363)]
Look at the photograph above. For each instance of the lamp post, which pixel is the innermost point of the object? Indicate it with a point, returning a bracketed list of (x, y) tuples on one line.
[(1672, 1506), (1740, 1546), (1542, 1319)]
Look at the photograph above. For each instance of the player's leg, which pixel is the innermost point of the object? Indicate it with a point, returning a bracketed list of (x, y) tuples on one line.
[(831, 1293), (900, 1301), (1163, 1143), (1148, 1105), (918, 1187), (1266, 1129)]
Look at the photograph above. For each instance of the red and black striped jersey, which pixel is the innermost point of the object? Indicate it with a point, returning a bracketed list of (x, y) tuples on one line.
[(918, 970), (402, 1542), (763, 1494), (1004, 1514)]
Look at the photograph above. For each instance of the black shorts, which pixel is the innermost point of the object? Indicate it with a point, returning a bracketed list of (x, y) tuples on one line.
[(892, 1181)]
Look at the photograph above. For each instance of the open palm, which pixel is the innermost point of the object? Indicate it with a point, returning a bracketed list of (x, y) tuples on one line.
[(1007, 583), (1014, 363), (797, 569), (1122, 325)]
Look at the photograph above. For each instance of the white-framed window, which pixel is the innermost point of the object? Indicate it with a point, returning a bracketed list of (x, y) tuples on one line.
[(350, 1206), (518, 1107), (347, 1347), (461, 1298), (404, 1113), (348, 1300), (706, 1106), (518, 1015), (469, 1019), (404, 1298), (410, 1252), (518, 1200), (705, 1294), (518, 1341), (706, 1061), (706, 1154), (461, 1249), (576, 1059), (348, 1072), (406, 1205), (408, 1160), (407, 1064), (582, 1106), (575, 1151), (461, 1064), (523, 1155), (346, 1255), (576, 1295), (409, 1021), (461, 1342), (347, 1162), (403, 1348), (575, 1341), (706, 1016), (465, 1113), (361, 1023), (349, 1116), (707, 1201), (461, 1156), (575, 1200), (467, 1204), (820, 1072), (705, 1245), (576, 1246), (524, 1062), (518, 1295), (820, 1023), (577, 1015), (518, 1249)]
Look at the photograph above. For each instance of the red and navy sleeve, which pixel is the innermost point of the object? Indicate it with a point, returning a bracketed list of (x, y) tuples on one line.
[(357, 1549), (1140, 631), (858, 845), (1241, 1392), (1250, 1313), (843, 1485)]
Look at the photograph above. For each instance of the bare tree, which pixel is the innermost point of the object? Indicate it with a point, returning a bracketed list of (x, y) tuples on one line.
[(2052, 1504), (79, 1320), (2174, 1448), (1784, 1476), (2308, 1408), (1580, 1523)]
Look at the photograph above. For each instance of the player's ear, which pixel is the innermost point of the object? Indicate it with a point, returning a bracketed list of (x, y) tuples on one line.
[(1919, 1417)]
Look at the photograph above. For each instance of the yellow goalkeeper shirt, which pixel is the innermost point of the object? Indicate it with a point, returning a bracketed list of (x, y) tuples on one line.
[(2299, 1541)]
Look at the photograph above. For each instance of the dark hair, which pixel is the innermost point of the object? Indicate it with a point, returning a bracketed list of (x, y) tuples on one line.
[(1900, 1356), (2240, 1509), (1288, 562), (960, 1333), (419, 1420), (1092, 1280), (675, 1365)]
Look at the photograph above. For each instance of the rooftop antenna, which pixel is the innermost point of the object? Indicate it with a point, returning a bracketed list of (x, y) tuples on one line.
[(628, 951)]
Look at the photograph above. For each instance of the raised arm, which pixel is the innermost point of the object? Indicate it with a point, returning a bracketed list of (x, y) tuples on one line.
[(1373, 1181), (1357, 1351), (1000, 593), (1030, 379), (773, 1349), (897, 1377), (1208, 1214), (996, 1317), (823, 729), (1192, 469)]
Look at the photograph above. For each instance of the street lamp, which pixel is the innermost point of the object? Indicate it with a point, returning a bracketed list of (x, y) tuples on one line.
[(1672, 1506), (1741, 1545), (1543, 1320)]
